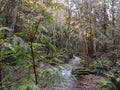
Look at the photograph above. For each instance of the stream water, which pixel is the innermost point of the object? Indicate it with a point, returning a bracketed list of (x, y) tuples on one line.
[(69, 82)]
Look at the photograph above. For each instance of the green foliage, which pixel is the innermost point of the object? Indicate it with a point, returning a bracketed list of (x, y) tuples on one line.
[(48, 17), (112, 84), (13, 49), (47, 44), (57, 6), (56, 61), (56, 33), (118, 63), (65, 56), (47, 78), (33, 22), (4, 28), (107, 84), (28, 86), (3, 32), (101, 66)]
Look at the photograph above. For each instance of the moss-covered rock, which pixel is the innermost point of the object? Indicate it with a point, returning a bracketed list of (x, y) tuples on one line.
[(80, 71)]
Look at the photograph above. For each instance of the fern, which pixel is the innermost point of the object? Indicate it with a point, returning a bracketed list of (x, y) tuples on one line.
[(4, 28), (112, 84)]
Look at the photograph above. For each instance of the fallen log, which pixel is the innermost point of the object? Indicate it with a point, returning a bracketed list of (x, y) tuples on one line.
[(80, 71)]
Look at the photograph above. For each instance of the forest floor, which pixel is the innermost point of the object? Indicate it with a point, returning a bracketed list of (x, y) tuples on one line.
[(82, 82), (89, 82)]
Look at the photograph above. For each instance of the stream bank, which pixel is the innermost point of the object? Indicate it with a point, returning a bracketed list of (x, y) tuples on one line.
[(69, 82)]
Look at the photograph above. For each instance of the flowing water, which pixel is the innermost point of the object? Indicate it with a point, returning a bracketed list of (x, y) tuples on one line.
[(69, 82)]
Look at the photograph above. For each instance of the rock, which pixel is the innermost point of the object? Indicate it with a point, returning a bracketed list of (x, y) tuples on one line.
[(80, 71)]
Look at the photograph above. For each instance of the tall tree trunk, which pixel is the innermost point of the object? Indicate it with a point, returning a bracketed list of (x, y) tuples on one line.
[(14, 16), (32, 37), (85, 45), (113, 23), (104, 49), (105, 18), (113, 33), (91, 47), (113, 13), (68, 28), (0, 76), (34, 64)]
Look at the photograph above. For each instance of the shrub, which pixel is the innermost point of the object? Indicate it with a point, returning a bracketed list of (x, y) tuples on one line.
[(101, 66), (112, 84)]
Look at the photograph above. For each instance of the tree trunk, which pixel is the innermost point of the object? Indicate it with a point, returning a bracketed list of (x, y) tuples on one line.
[(14, 16), (105, 18), (113, 23), (0, 77), (34, 64), (104, 48)]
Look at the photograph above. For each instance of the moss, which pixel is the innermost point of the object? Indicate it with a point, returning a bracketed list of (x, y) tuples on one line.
[(82, 71)]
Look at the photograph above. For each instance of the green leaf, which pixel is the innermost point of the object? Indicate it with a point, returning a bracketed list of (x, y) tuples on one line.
[(5, 28), (57, 6), (22, 87), (8, 45), (107, 84), (44, 29), (48, 17)]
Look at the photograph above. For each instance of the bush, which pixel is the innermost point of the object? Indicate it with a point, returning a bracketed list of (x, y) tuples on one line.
[(118, 63), (47, 78), (101, 66), (112, 84)]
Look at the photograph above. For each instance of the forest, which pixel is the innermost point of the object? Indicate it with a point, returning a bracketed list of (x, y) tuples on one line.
[(59, 44)]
